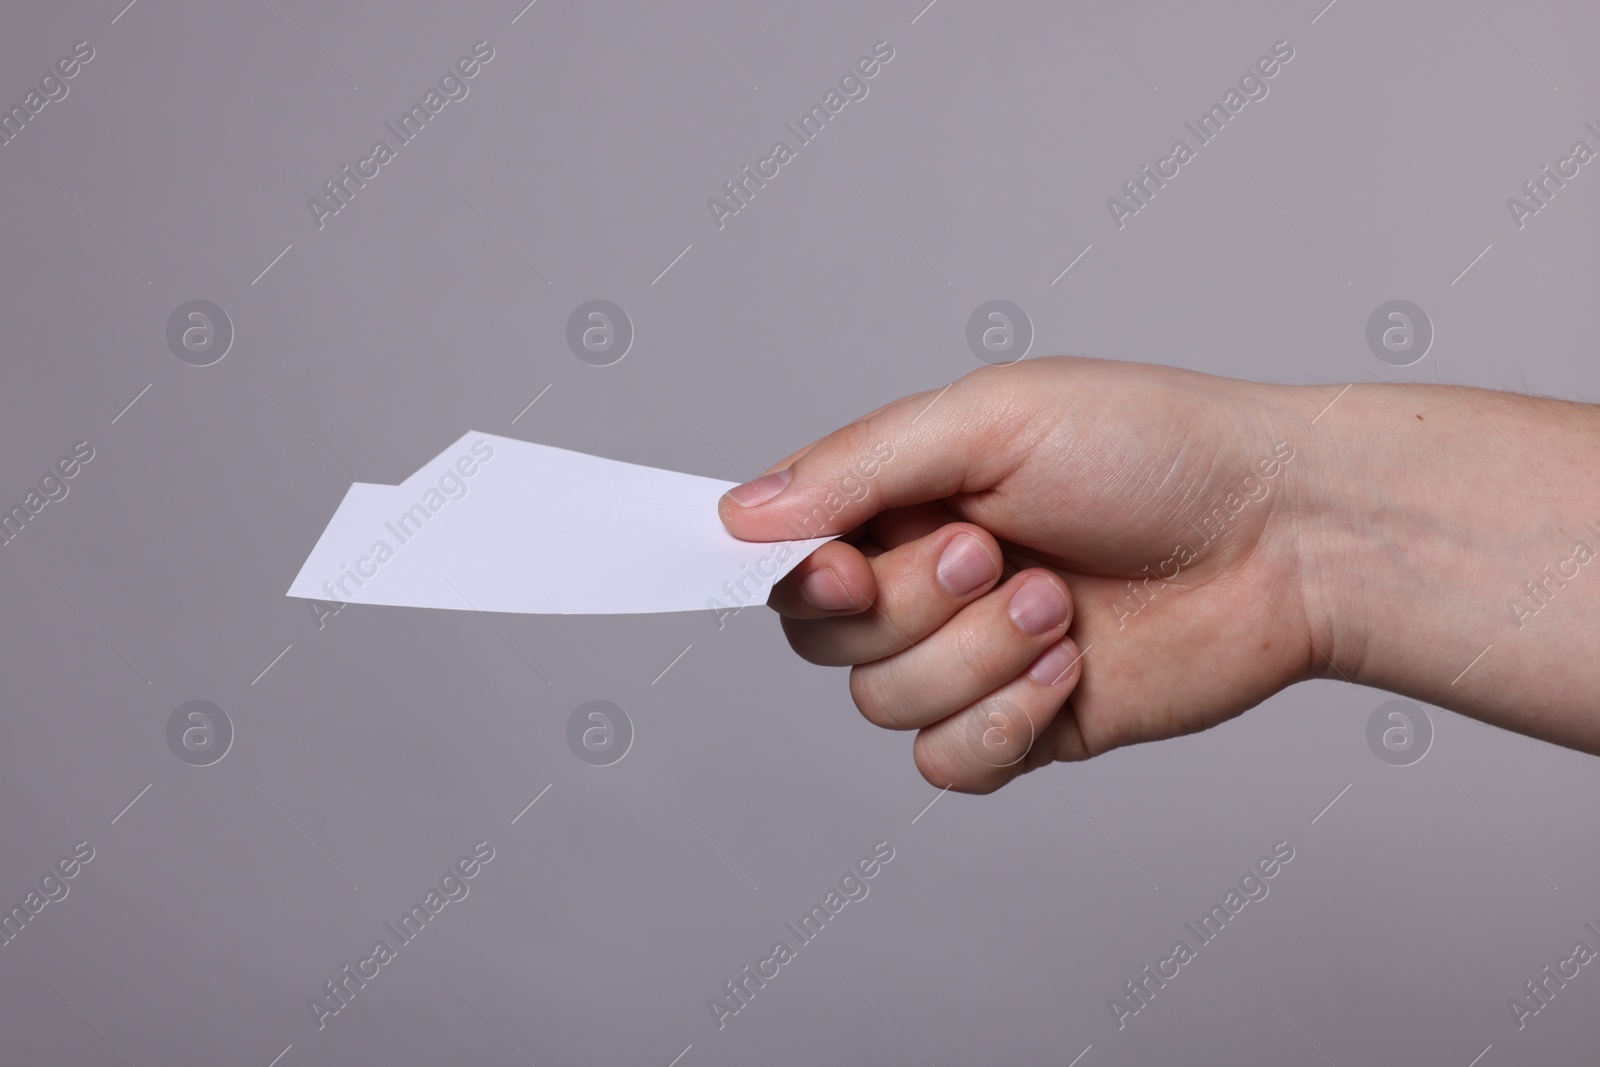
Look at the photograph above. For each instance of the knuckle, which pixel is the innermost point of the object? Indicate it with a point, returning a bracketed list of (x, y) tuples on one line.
[(873, 698), (986, 376), (935, 765), (943, 766), (805, 638), (846, 445), (983, 652)]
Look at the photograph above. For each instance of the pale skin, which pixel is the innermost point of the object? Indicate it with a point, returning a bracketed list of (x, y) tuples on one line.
[(1269, 538)]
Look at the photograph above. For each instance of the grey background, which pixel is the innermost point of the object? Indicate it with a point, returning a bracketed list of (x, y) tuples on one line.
[(379, 747)]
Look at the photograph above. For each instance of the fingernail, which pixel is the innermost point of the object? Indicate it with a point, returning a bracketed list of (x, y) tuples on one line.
[(1038, 606), (964, 565), (822, 589), (1053, 664), (760, 490)]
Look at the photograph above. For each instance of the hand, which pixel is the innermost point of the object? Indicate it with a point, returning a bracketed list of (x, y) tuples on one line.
[(1047, 560)]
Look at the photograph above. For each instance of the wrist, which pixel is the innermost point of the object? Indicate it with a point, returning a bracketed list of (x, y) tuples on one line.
[(1391, 548), (1332, 505), (1320, 533), (1417, 515)]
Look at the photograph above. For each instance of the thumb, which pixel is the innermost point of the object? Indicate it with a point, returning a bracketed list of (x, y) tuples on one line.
[(920, 448)]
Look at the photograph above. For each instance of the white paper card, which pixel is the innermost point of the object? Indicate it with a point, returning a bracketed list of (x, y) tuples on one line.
[(497, 524)]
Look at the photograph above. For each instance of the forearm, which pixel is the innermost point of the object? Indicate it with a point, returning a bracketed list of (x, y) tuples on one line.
[(1448, 544)]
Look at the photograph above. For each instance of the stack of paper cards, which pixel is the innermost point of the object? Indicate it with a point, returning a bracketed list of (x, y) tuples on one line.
[(496, 524)]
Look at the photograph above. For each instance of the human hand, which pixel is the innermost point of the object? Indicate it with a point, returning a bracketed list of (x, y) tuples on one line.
[(1113, 533)]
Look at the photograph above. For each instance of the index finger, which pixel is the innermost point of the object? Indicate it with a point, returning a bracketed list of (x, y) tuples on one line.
[(908, 452), (792, 456)]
